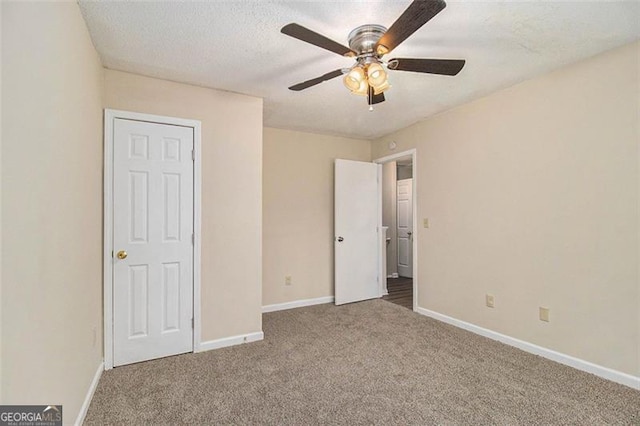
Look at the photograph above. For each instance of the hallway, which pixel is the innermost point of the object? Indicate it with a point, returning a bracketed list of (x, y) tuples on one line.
[(400, 292)]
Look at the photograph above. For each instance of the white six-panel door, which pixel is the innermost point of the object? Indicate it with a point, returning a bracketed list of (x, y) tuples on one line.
[(152, 240), (357, 222), (404, 220)]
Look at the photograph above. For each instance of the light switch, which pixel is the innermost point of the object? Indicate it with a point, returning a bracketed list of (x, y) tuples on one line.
[(544, 314), (425, 222), (490, 301)]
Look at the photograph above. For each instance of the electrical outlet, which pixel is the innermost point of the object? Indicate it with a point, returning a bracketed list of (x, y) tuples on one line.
[(425, 222), (490, 300), (544, 314), (287, 280)]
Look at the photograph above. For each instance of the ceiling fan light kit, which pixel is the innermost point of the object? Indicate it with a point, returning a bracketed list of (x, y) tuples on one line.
[(367, 77), (368, 44), (368, 72), (377, 76), (361, 77), (355, 80)]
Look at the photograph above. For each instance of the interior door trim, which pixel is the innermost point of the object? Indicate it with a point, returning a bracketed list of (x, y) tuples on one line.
[(413, 154), (110, 115)]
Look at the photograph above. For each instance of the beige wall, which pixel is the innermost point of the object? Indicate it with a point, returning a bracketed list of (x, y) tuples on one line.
[(1, 399), (231, 191), (389, 211), (52, 84), (298, 211), (532, 196)]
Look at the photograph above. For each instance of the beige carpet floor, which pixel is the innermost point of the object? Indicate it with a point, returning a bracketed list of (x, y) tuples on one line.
[(366, 363)]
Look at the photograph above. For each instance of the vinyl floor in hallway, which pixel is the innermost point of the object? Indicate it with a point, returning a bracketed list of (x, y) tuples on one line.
[(400, 291)]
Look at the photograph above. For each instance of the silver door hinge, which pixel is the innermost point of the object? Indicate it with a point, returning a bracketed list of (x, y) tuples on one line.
[(111, 253), (191, 322), (193, 239), (193, 155)]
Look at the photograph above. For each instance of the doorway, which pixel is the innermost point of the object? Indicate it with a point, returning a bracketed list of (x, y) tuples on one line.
[(152, 249), (399, 219)]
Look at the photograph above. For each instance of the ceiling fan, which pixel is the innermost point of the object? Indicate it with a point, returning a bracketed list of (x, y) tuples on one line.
[(368, 44)]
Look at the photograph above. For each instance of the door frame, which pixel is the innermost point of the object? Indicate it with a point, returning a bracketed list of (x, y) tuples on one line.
[(393, 157), (110, 115)]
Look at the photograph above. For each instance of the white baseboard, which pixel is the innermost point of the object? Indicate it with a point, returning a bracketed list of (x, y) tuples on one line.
[(297, 304), (230, 341), (87, 399), (577, 363)]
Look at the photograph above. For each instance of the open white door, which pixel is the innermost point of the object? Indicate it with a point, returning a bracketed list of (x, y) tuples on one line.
[(405, 227), (357, 221)]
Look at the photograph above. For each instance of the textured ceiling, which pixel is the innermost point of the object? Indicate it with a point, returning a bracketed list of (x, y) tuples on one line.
[(237, 46)]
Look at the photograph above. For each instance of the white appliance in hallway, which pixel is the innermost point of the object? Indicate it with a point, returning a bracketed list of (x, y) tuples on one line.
[(357, 225), (404, 220), (153, 225)]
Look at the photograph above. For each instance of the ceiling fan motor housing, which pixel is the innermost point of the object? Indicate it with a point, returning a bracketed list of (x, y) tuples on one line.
[(363, 39)]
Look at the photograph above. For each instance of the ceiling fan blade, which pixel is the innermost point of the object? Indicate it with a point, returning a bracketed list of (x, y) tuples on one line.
[(417, 14), (376, 99), (317, 80), (372, 98), (304, 34), (430, 66)]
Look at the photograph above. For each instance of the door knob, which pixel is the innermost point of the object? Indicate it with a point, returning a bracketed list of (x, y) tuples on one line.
[(409, 233), (340, 239), (122, 254)]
